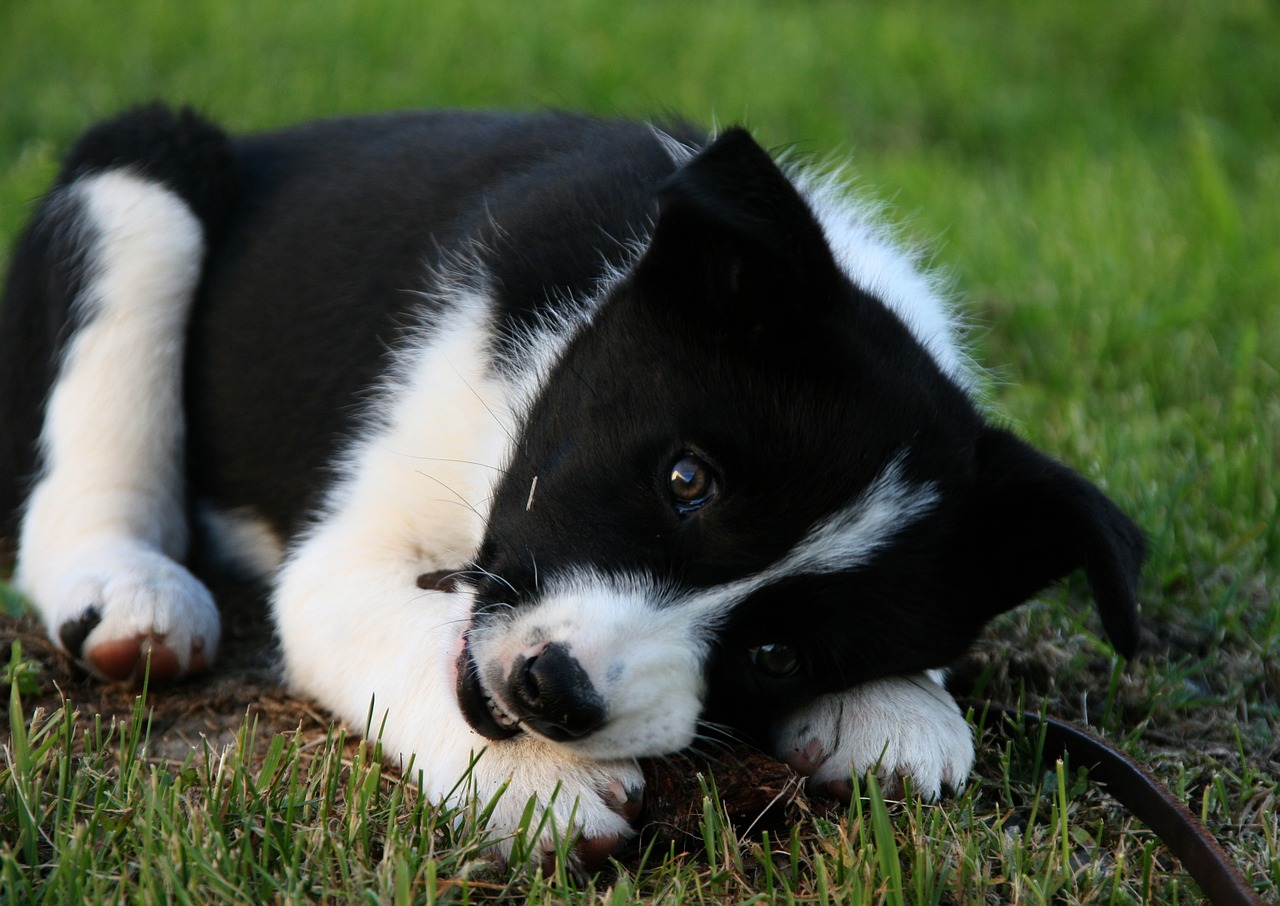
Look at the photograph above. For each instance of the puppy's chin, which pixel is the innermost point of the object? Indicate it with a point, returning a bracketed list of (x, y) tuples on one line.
[(484, 714)]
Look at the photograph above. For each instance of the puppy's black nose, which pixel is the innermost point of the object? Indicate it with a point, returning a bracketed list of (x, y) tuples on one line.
[(555, 696)]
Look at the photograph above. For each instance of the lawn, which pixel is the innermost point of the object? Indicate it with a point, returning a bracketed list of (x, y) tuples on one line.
[(1100, 182)]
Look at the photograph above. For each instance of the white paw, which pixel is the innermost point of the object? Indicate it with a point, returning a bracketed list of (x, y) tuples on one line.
[(899, 728), (592, 803), (118, 606)]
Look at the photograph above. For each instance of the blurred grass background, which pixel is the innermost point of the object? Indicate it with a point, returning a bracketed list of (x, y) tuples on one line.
[(1100, 180)]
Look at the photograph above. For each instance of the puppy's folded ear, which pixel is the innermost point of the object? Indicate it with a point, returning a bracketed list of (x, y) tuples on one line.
[(734, 237), (1032, 521)]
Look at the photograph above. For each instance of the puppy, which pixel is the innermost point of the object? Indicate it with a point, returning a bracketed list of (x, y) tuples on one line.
[(560, 441)]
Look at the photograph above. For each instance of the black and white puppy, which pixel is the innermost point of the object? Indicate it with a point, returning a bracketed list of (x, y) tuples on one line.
[(571, 440)]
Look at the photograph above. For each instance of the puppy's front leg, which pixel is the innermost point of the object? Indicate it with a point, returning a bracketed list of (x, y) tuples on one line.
[(898, 727), (360, 637)]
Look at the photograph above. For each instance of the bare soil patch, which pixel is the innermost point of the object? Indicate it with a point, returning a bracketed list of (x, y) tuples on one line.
[(244, 692)]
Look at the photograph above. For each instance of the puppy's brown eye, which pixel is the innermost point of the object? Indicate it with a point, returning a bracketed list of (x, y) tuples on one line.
[(692, 483), (776, 661)]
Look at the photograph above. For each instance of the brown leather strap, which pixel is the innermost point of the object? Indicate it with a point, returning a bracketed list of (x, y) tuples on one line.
[(1147, 798)]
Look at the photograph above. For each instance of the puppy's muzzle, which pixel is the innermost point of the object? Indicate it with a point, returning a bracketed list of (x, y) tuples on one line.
[(547, 691)]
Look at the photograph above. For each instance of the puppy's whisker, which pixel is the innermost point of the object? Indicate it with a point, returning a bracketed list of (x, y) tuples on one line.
[(696, 751), (443, 623), (667, 759), (587, 385), (515, 441), (727, 730), (497, 578), (710, 749), (459, 503), (465, 462), (533, 559), (720, 736), (444, 582), (473, 568), (461, 499), (466, 560)]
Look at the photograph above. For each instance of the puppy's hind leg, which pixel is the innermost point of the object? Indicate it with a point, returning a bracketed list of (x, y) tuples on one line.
[(105, 524)]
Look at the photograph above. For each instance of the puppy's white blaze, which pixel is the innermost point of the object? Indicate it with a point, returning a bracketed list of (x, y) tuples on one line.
[(851, 537), (845, 540)]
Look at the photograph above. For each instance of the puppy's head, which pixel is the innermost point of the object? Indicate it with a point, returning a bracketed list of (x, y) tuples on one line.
[(748, 483)]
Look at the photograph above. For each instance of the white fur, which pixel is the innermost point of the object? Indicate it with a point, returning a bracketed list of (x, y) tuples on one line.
[(106, 520), (358, 635), (679, 152), (898, 727), (243, 539), (850, 537), (870, 256), (412, 498)]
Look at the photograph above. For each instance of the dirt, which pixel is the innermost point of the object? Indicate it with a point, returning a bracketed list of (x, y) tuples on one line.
[(759, 793), (209, 709)]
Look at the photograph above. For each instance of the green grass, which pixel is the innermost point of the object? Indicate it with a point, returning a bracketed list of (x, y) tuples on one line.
[(97, 817), (1102, 181)]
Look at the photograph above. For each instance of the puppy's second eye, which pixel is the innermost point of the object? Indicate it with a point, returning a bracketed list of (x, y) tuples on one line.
[(692, 483), (776, 661)]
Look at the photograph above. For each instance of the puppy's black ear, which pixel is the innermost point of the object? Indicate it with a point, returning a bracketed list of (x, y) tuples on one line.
[(732, 226), (1032, 521)]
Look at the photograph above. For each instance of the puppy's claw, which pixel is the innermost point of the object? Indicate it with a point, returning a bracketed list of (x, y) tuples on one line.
[(590, 854), (808, 758), (894, 786), (840, 790), (626, 801), (586, 857), (593, 854), (72, 633)]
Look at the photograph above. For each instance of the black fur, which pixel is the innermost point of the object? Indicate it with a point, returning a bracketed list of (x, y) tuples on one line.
[(544, 202), (177, 148), (735, 337), (44, 278), (737, 316)]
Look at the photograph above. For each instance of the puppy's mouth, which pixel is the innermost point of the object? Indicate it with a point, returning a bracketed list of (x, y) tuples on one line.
[(481, 709)]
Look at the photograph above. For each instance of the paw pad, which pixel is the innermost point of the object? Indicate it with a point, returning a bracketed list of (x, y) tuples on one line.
[(131, 659)]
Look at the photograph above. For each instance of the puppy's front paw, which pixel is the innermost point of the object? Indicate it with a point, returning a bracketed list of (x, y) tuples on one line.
[(899, 728), (120, 608), (592, 803)]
